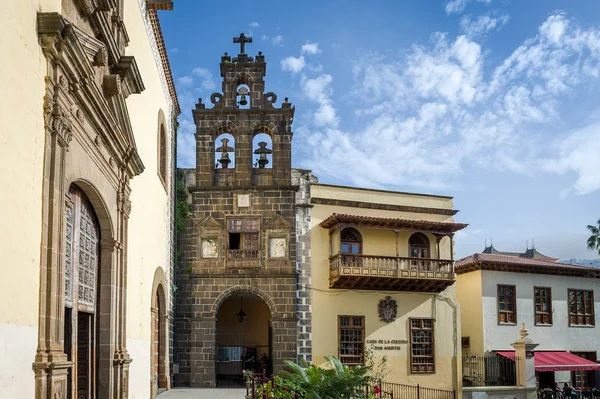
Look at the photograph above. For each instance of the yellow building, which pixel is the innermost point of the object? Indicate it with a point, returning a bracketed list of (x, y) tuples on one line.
[(381, 277), (87, 122)]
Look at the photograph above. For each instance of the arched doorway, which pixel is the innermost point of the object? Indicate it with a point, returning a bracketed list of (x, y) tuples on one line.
[(81, 274), (159, 338), (244, 338)]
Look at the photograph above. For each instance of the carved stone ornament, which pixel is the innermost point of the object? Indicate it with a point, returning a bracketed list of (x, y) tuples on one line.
[(387, 309)]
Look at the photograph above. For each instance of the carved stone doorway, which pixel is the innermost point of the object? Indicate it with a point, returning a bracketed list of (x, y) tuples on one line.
[(82, 257)]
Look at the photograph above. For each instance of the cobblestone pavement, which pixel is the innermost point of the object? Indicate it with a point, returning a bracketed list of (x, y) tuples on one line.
[(203, 393)]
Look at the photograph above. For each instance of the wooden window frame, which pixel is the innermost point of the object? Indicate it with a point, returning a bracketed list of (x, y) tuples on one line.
[(359, 242), (351, 327), (430, 366), (542, 313), (243, 231), (591, 315), (426, 246), (506, 312)]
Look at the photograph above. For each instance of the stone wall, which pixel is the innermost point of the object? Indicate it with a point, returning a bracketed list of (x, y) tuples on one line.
[(303, 179)]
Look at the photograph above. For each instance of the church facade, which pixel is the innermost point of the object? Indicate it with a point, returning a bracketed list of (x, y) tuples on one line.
[(88, 166), (236, 305)]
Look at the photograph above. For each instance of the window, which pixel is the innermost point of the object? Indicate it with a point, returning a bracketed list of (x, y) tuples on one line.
[(418, 246), (351, 241), (543, 306), (162, 154), (351, 336), (466, 342), (507, 304), (422, 350), (584, 379), (581, 308), (243, 238)]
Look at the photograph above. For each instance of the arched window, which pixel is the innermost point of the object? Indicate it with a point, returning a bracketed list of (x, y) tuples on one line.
[(262, 146), (243, 99), (351, 241), (418, 246), (225, 151), (162, 154)]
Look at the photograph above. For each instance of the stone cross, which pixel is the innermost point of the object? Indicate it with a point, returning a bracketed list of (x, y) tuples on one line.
[(242, 40)]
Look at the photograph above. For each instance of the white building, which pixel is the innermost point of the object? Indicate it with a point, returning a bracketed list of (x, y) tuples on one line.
[(498, 292)]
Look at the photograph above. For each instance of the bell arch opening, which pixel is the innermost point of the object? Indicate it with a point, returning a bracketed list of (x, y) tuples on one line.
[(244, 338), (243, 96), (262, 146), (225, 151)]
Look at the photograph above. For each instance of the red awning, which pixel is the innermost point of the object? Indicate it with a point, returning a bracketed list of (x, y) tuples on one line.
[(556, 361)]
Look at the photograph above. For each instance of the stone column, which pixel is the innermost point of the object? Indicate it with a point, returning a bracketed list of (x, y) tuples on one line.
[(51, 364), (524, 361)]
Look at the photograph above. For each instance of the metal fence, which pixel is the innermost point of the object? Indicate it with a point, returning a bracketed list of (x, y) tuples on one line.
[(400, 391), (379, 390), (489, 370)]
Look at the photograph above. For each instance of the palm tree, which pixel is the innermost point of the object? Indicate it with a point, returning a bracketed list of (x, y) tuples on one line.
[(593, 243)]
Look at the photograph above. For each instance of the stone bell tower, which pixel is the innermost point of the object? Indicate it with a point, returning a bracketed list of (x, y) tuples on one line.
[(238, 248)]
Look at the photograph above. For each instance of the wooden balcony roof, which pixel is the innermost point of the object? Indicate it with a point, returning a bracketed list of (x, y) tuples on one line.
[(391, 223)]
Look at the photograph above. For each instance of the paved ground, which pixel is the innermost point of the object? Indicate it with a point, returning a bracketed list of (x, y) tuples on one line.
[(204, 393)]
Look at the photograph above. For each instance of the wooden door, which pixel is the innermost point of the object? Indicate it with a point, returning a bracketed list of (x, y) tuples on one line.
[(81, 277)]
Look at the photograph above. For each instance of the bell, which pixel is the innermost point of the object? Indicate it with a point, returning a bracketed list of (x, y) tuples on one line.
[(243, 100)]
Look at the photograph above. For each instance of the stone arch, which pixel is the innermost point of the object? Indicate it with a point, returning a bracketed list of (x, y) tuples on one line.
[(159, 372), (99, 205), (262, 127), (243, 78), (223, 127), (243, 288)]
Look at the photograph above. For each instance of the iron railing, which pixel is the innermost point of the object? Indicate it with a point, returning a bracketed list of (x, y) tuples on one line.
[(393, 263), (393, 390), (489, 370), (378, 390)]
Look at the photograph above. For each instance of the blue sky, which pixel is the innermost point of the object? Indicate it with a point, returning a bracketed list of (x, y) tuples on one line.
[(494, 102)]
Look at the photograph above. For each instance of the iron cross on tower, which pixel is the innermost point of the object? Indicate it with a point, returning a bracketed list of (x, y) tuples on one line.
[(242, 40)]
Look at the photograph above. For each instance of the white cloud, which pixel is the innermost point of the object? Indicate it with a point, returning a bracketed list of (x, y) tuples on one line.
[(458, 6), (207, 79), (277, 41), (481, 25), (578, 152), (254, 24), (425, 116), (185, 81), (293, 64), (311, 48)]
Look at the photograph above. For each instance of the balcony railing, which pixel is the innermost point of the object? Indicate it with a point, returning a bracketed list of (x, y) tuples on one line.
[(243, 258), (390, 272), (243, 254)]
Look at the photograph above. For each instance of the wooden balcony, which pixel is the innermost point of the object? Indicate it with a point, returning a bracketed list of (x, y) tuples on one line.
[(390, 273)]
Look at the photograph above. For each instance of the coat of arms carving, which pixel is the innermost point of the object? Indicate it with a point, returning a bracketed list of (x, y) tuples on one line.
[(388, 309)]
